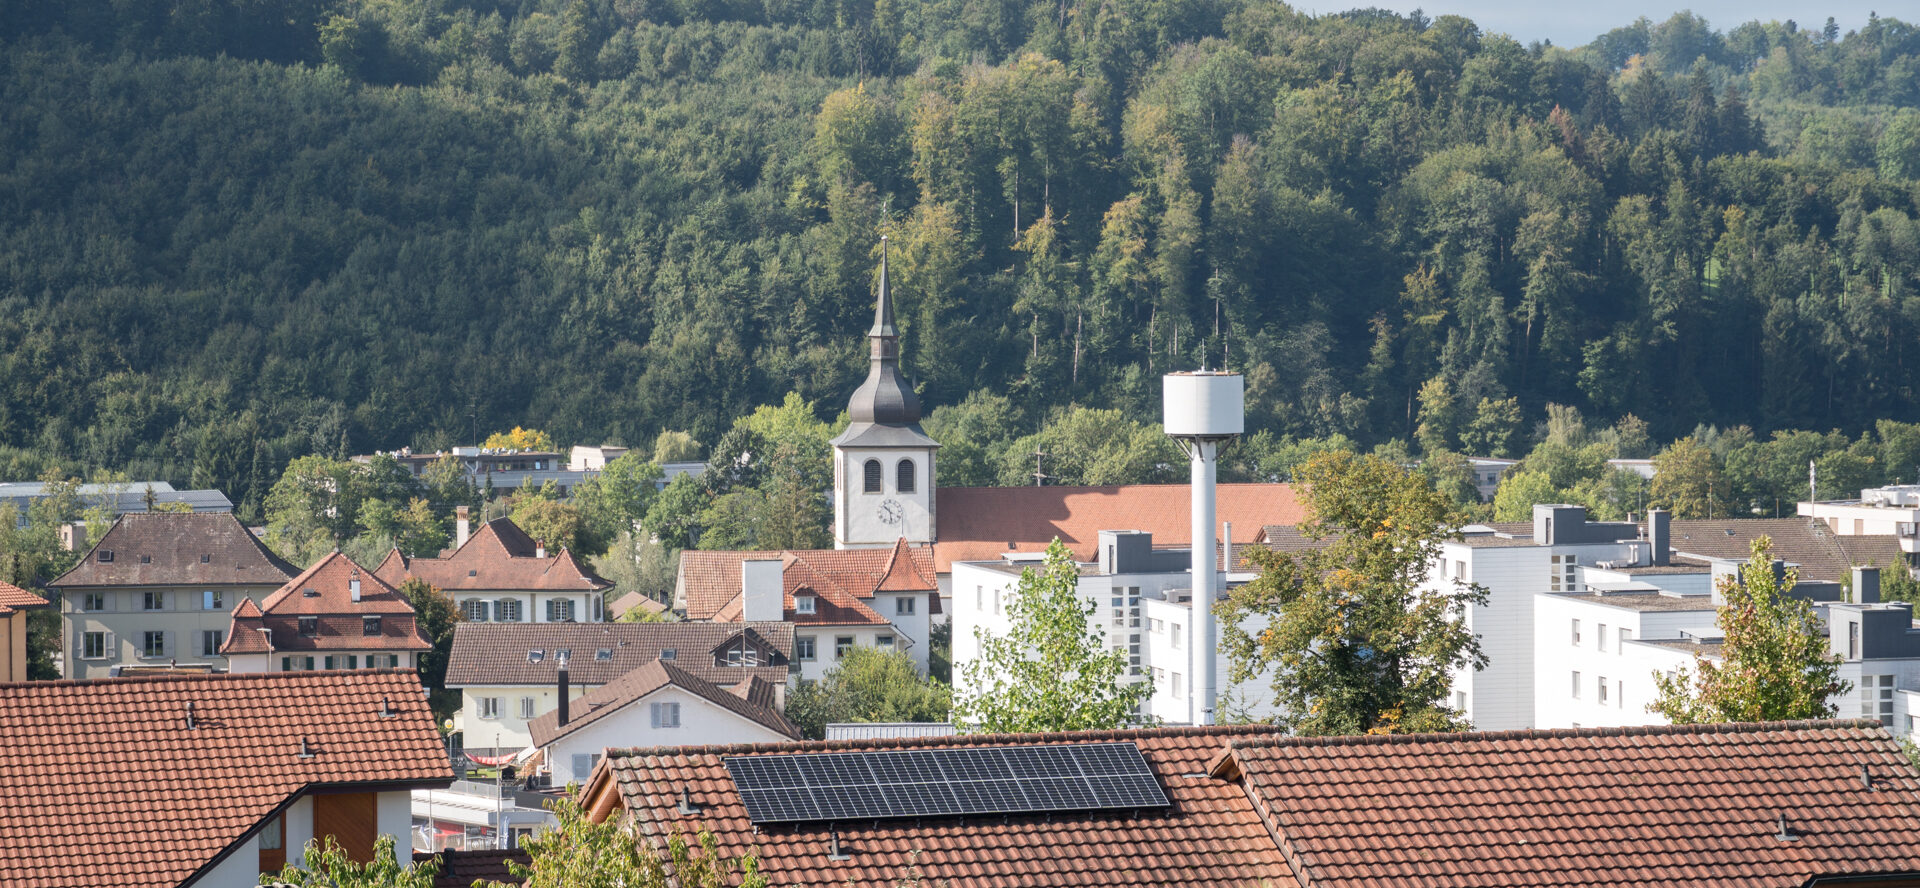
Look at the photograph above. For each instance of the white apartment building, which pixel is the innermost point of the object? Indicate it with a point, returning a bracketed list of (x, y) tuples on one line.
[(1142, 606), (1893, 510)]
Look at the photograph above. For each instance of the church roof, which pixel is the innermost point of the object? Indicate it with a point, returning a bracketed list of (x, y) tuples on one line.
[(885, 398), (981, 523)]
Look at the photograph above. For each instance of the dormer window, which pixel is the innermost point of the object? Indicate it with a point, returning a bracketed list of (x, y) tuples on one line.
[(309, 626), (369, 625), (904, 476), (803, 604), (106, 555), (872, 473)]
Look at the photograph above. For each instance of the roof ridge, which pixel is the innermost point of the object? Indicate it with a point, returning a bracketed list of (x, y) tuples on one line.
[(954, 739), (200, 676), (1550, 733)]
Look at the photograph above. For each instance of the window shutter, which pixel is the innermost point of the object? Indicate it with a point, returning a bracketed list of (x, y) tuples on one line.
[(111, 602), (166, 644), (112, 652), (654, 710)]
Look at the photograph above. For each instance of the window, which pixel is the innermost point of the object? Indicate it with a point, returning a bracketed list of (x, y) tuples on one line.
[(211, 640), (393, 661), (154, 601), (96, 601), (738, 653), (309, 626), (841, 645), (996, 601), (1600, 638), (274, 835), (603, 655), (1626, 635), (883, 641), (1876, 697), (526, 707), (146, 559), (803, 647), (94, 645), (903, 606), (559, 610), (1853, 641), (474, 609), (1460, 701), (1576, 633), (1176, 636), (979, 598), (295, 664), (106, 555), (599, 608), (205, 559), (489, 707), (213, 600), (583, 763), (369, 625), (872, 472), (803, 604), (1576, 686), (1560, 576), (1176, 684), (1600, 688), (1133, 651), (1619, 694), (507, 610), (670, 653), (153, 644), (1156, 625), (904, 476), (1159, 676), (666, 715)]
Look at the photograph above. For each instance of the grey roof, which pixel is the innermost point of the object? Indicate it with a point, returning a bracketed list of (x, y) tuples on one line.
[(120, 498), (867, 434), (884, 400), (1821, 554), (1644, 601), (496, 653), (176, 549)]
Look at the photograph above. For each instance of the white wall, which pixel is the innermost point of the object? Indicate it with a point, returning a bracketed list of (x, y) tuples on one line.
[(857, 513), (701, 723), (241, 869), (863, 636), (393, 813), (509, 730), (1628, 669)]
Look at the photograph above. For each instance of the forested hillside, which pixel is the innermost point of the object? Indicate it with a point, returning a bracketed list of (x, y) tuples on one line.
[(233, 232)]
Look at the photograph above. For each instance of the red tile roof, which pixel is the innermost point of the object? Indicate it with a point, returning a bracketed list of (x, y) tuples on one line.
[(631, 600), (105, 785), (838, 579), (1670, 806), (980, 523), (1611, 806), (500, 557), (324, 592), (13, 598), (1210, 835), (637, 685), (460, 869), (174, 545)]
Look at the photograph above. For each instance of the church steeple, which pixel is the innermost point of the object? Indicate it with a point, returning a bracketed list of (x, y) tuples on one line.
[(885, 398)]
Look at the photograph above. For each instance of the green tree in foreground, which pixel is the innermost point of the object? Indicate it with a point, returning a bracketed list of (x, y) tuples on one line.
[(1049, 672), (583, 854), (1775, 665), (329, 866), (1356, 642), (869, 685)]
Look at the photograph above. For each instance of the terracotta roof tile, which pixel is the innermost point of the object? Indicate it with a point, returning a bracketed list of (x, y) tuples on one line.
[(840, 579), (1612, 806), (489, 654), (631, 600), (13, 598), (980, 523), (638, 684), (499, 557), (106, 785), (324, 593), (174, 545), (1209, 836), (460, 869)]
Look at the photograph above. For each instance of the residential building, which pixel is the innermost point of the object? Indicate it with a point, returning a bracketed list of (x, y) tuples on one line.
[(1487, 472), (496, 471), (593, 459), (836, 599), (118, 498), (159, 589), (631, 602), (1777, 805), (207, 781), (334, 615), (1142, 604), (1892, 511), (658, 704), (15, 602), (502, 575), (507, 673)]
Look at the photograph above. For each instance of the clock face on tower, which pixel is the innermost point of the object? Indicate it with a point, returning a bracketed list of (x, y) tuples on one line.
[(891, 511)]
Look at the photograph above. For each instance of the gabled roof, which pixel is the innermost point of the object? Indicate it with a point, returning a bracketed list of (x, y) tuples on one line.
[(107, 786), (841, 580), (13, 598), (1669, 806), (1660, 805), (494, 654), (460, 869), (174, 546), (643, 682), (1821, 553), (499, 557), (981, 523), (324, 592), (631, 600)]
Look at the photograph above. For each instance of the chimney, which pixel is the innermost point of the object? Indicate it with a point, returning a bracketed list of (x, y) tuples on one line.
[(763, 590), (461, 526), (563, 692), (73, 536), (353, 588), (1866, 585), (1660, 536), (540, 549)]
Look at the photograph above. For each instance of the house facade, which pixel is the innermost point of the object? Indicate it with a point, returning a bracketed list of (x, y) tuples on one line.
[(15, 603), (334, 615), (159, 588), (658, 704), (501, 575)]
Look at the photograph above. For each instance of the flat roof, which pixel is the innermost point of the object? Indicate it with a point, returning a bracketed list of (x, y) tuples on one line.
[(1651, 602)]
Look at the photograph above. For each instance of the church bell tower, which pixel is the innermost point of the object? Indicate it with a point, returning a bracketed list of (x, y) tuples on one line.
[(883, 463)]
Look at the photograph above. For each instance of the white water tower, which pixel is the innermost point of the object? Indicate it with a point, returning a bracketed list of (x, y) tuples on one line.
[(1203, 409)]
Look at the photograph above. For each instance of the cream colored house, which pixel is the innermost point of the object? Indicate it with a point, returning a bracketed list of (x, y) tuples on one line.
[(14, 604), (158, 589)]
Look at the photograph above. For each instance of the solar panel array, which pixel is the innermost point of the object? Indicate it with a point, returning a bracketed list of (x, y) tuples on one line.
[(944, 782)]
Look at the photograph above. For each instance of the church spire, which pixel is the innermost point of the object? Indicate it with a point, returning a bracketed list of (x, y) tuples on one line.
[(885, 398)]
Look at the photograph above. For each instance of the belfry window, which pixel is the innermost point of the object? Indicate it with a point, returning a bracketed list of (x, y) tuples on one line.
[(873, 476), (904, 476)]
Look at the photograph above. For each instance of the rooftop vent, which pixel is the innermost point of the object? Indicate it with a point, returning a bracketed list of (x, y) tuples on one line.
[(386, 708), (310, 593), (190, 726), (306, 752), (205, 559)]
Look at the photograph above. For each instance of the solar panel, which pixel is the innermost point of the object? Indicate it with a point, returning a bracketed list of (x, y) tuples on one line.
[(945, 782)]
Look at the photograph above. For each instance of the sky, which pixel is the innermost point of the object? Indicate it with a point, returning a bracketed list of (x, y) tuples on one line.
[(1578, 23)]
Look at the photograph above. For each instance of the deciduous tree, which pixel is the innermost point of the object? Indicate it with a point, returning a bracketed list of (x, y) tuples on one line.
[(869, 685)]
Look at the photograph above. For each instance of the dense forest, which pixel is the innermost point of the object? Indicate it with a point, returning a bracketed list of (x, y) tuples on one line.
[(237, 232)]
